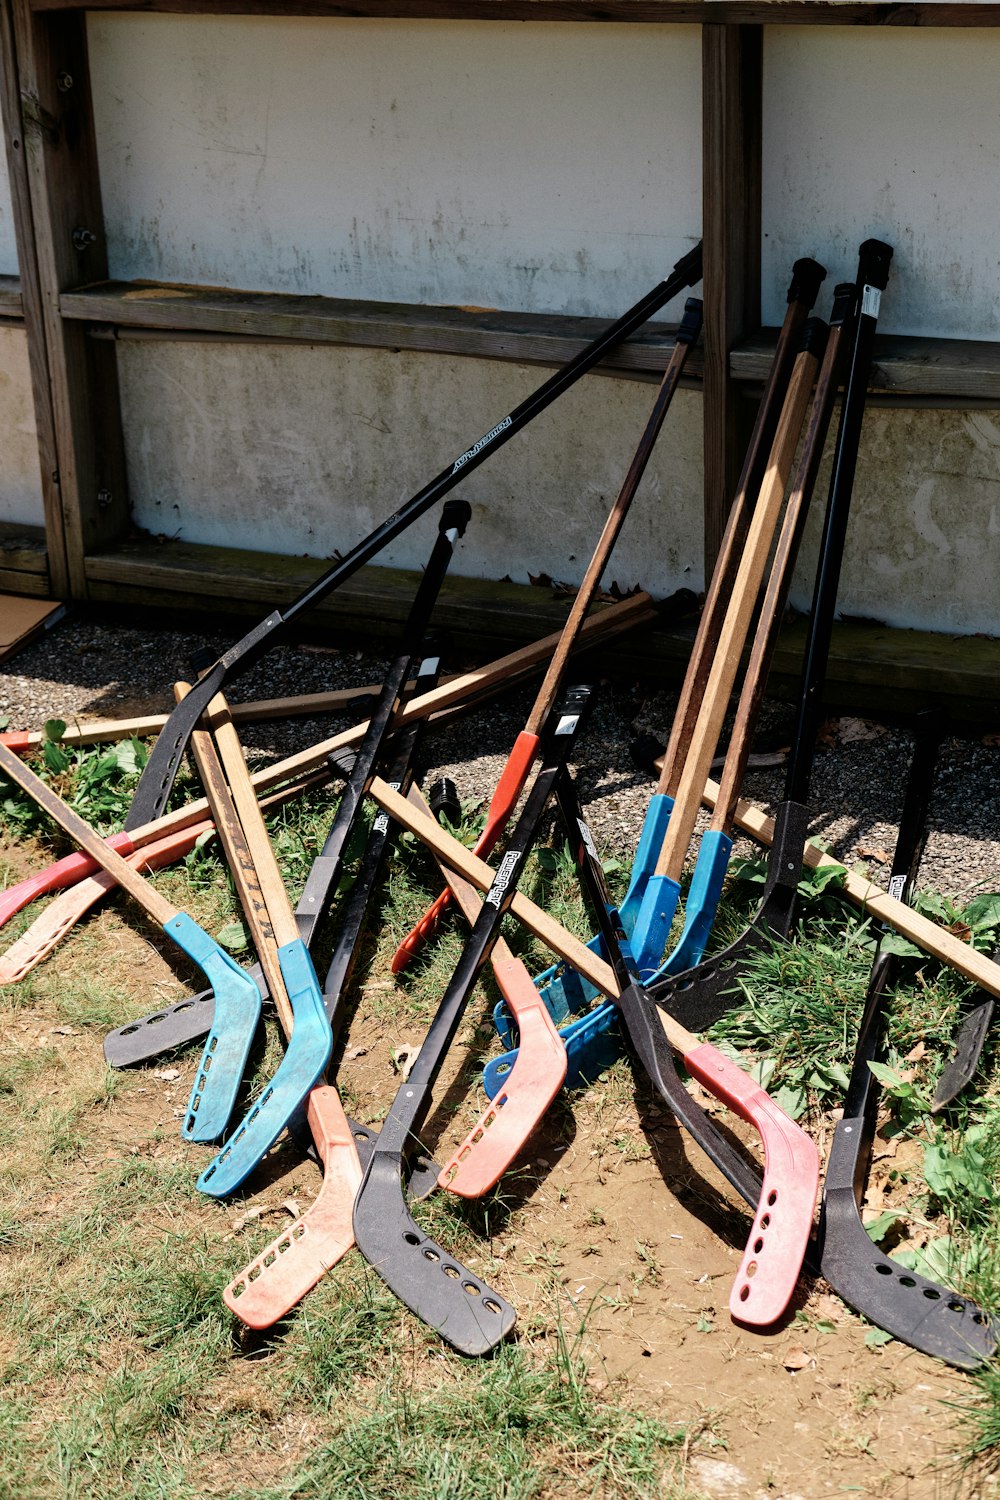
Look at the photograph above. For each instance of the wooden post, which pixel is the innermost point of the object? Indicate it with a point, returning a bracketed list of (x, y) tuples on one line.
[(68, 229), (732, 58), (31, 302)]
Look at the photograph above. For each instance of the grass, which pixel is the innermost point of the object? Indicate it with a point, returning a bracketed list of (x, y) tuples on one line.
[(120, 1370)]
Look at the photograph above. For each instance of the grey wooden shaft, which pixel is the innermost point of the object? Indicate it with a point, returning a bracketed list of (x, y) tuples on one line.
[(87, 838)]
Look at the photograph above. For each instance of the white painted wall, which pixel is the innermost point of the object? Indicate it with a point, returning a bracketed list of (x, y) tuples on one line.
[(543, 167), (331, 439), (547, 168), (8, 245), (20, 482), (893, 134)]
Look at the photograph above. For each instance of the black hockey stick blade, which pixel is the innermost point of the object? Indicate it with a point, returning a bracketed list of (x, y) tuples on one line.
[(474, 1321), (970, 1038), (469, 1315), (913, 1309), (699, 996)]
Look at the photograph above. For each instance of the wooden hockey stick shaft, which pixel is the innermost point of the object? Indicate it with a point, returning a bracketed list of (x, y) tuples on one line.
[(235, 848), (926, 934), (477, 685), (106, 731), (736, 625)]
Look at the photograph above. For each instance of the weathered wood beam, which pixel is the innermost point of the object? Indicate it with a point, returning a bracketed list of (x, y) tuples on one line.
[(673, 12), (87, 466), (732, 68), (22, 298)]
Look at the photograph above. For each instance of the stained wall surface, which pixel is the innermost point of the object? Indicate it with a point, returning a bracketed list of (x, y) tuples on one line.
[(550, 168), (20, 485)]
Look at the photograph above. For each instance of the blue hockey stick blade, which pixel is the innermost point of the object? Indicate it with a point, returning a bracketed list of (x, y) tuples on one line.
[(652, 925), (227, 1047), (702, 903), (564, 991), (301, 1068)]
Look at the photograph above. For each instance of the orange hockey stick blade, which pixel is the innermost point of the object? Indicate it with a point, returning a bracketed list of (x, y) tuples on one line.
[(535, 1079), (62, 914), (776, 1248), (278, 1279), (502, 804)]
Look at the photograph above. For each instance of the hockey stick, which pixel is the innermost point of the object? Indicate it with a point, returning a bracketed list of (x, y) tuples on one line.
[(158, 776), (716, 844), (229, 981), (785, 1198), (659, 902), (290, 1266), (500, 1134), (468, 688), (65, 911), (702, 994), (311, 1041), (468, 1315), (519, 761), (970, 1038), (907, 1305), (565, 991)]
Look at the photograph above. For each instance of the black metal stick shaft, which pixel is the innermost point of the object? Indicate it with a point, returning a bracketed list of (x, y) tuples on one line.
[(700, 995), (641, 1023), (873, 274), (445, 1294), (158, 776)]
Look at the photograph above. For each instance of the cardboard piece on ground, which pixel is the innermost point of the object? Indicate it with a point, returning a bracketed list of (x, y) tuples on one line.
[(22, 619)]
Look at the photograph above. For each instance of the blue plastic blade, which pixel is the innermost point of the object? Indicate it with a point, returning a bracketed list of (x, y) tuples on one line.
[(227, 1047), (564, 991), (652, 925), (301, 1068), (702, 903)]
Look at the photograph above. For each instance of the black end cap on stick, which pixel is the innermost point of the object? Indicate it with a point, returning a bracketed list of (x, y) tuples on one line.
[(341, 762), (645, 752), (444, 801), (844, 297), (201, 659), (690, 325), (455, 516), (873, 263), (814, 336), (807, 277)]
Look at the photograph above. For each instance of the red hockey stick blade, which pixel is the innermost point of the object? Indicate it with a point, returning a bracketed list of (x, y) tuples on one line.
[(502, 803), (773, 1258), (65, 871), (536, 1078), (62, 914), (272, 1284)]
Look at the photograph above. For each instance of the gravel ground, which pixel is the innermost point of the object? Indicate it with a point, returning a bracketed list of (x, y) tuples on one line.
[(100, 666)]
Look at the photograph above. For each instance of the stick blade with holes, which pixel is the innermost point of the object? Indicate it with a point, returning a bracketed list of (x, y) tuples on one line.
[(282, 1274), (912, 1308)]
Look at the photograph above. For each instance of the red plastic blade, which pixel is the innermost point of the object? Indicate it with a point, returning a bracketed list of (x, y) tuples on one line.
[(279, 1278), (62, 914), (65, 871), (508, 789), (775, 1250), (536, 1078)]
